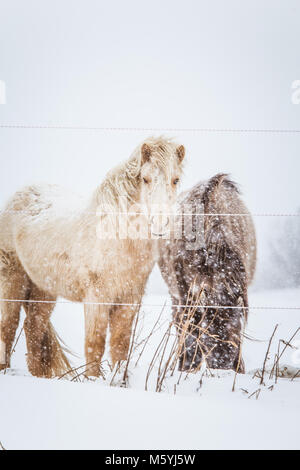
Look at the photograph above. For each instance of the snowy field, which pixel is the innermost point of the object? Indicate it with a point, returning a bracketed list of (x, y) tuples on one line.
[(197, 411), (221, 79)]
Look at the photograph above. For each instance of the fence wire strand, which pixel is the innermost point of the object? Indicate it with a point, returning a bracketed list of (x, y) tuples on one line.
[(190, 214), (149, 129), (120, 304)]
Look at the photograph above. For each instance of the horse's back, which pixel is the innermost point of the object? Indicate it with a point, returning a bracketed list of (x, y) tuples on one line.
[(221, 195), (37, 198), (218, 195), (33, 215)]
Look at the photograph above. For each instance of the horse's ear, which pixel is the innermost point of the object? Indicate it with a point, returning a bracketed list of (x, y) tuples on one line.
[(180, 153), (146, 153)]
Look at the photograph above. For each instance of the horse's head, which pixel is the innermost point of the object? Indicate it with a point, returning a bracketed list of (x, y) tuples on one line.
[(161, 169), (211, 335), (213, 341)]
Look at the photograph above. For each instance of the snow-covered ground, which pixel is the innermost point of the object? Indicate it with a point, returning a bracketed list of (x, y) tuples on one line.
[(200, 412), (175, 66)]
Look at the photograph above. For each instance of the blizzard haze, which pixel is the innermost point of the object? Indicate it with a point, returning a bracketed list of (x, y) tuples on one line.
[(159, 65), (163, 65)]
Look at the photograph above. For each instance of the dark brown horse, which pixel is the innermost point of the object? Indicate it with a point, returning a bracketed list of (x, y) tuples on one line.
[(210, 264)]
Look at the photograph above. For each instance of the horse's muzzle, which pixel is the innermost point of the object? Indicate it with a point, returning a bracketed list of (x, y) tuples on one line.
[(159, 229)]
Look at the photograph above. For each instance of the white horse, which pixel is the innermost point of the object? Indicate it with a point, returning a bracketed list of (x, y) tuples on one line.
[(47, 251)]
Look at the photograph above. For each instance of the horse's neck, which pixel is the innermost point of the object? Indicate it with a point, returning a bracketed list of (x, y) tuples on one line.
[(99, 211), (89, 229)]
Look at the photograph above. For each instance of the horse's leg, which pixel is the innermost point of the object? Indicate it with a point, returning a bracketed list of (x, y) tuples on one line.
[(45, 356), (10, 316), (13, 285), (96, 321), (120, 323), (226, 350)]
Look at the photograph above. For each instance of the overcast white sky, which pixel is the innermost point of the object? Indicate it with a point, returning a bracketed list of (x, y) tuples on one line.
[(220, 64)]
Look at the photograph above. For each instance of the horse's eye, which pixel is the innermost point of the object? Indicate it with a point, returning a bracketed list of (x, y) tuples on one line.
[(146, 181), (176, 181)]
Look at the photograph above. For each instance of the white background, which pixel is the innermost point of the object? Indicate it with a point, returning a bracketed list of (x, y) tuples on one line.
[(169, 64)]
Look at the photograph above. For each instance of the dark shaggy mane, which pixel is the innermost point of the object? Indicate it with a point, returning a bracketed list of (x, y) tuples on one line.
[(215, 182), (221, 255)]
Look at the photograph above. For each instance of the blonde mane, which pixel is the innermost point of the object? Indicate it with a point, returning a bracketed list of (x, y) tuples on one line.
[(122, 182)]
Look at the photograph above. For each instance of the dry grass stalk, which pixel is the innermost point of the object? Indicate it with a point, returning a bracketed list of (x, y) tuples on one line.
[(73, 370), (116, 368), (267, 355), (167, 369), (160, 374), (155, 357), (176, 351), (256, 393), (167, 355), (287, 344), (239, 359), (296, 375), (125, 375), (184, 325), (146, 340), (83, 373)]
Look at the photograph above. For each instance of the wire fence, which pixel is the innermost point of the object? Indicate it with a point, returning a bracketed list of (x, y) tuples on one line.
[(190, 214), (149, 129), (156, 129), (120, 304)]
